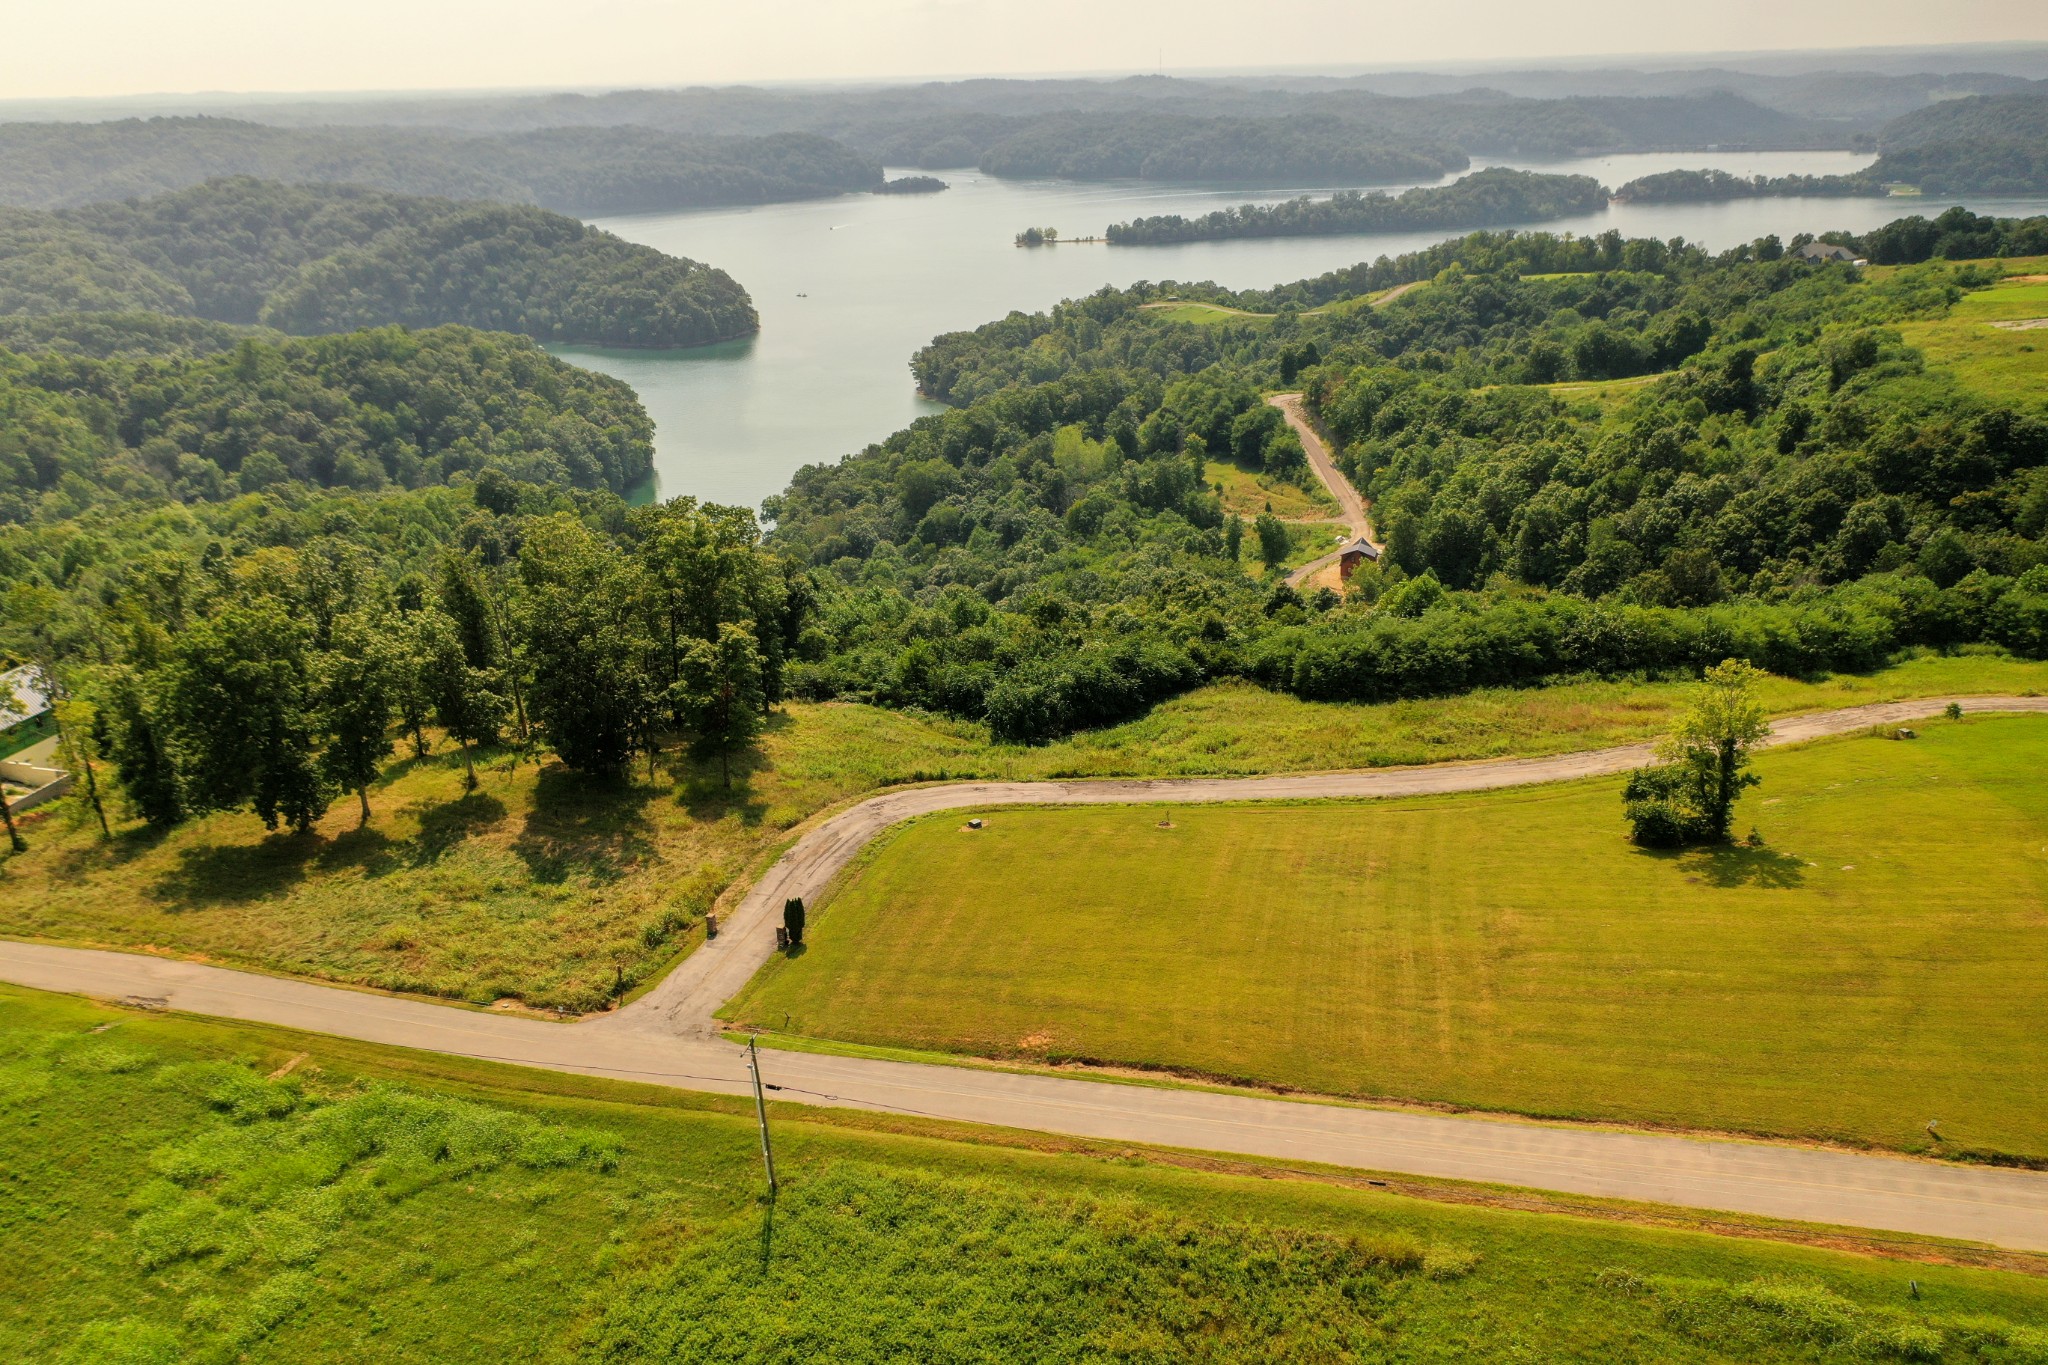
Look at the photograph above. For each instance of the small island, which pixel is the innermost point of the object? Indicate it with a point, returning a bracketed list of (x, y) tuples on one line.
[(912, 184), (1048, 237)]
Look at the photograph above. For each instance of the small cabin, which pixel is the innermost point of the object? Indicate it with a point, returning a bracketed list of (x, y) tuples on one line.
[(1360, 551)]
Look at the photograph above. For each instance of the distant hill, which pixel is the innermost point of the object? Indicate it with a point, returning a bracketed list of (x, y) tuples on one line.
[(641, 150), (584, 171), (1986, 144), (1172, 147), (310, 259)]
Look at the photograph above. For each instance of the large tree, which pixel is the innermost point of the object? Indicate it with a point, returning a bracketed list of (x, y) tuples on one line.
[(353, 694), (468, 700), (1703, 768), (131, 735), (235, 699), (719, 693), (588, 644)]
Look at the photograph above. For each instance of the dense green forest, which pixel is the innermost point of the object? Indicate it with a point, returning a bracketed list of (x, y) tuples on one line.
[(308, 259), (584, 171), (1803, 490), (912, 184), (1708, 186), (1984, 144), (1170, 147), (365, 410), (1482, 199), (1789, 482)]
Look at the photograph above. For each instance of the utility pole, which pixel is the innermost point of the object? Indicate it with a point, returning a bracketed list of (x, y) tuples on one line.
[(761, 1114)]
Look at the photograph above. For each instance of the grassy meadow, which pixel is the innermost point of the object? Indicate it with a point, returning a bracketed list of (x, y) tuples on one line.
[(562, 893), (1206, 314), (1877, 964), (182, 1190), (1248, 492), (1998, 361)]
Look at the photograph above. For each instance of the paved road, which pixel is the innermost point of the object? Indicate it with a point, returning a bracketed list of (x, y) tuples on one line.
[(667, 1038), (1350, 505), (2006, 1208)]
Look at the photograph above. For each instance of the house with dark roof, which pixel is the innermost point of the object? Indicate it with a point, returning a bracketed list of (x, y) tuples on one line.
[(1824, 251), (1359, 551)]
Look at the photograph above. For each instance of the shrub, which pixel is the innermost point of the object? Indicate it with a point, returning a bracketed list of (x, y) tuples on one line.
[(1657, 812)]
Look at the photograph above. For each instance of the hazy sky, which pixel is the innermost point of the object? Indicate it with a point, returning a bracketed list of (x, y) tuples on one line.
[(113, 47)]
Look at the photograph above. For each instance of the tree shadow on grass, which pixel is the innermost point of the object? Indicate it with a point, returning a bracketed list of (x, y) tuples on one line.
[(701, 790), (83, 860), (1731, 865), (227, 874), (446, 824), (583, 825)]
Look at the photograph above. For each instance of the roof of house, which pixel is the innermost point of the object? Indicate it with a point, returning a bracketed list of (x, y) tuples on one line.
[(21, 696), (1825, 251), (1361, 546)]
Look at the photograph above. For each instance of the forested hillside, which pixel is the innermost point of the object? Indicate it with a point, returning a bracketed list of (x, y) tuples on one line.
[(1171, 147), (1482, 199), (1984, 144), (1587, 457), (1802, 488), (309, 259), (640, 151), (585, 171), (367, 410)]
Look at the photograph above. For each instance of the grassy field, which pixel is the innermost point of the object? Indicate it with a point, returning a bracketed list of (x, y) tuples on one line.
[(1216, 314), (182, 1190), (1997, 361), (1248, 492), (1206, 314), (1878, 964), (562, 893)]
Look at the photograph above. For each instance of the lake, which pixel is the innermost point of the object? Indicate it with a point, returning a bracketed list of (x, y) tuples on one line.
[(848, 288)]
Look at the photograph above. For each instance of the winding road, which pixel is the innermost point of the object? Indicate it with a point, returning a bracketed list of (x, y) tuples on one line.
[(669, 1037), (1350, 506)]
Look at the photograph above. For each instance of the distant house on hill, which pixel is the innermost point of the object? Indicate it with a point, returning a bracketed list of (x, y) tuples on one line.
[(1824, 251), (1360, 551)]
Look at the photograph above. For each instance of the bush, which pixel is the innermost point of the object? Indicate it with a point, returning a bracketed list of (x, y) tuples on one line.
[(1658, 813)]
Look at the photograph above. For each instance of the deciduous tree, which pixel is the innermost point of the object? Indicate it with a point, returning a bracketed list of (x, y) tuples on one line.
[(719, 693), (1703, 766), (236, 705)]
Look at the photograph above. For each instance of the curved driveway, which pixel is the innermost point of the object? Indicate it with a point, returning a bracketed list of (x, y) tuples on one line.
[(1351, 506), (668, 1037)]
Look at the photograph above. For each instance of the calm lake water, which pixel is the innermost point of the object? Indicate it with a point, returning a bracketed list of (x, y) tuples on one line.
[(848, 288)]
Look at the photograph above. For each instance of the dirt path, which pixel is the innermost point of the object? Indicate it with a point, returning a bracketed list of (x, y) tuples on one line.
[(669, 1037), (1350, 506)]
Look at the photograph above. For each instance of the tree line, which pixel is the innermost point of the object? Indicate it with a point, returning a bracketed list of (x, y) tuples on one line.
[(367, 410), (589, 171), (278, 679), (1482, 199)]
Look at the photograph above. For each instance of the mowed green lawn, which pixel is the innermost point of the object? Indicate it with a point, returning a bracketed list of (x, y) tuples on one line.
[(1883, 961)]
